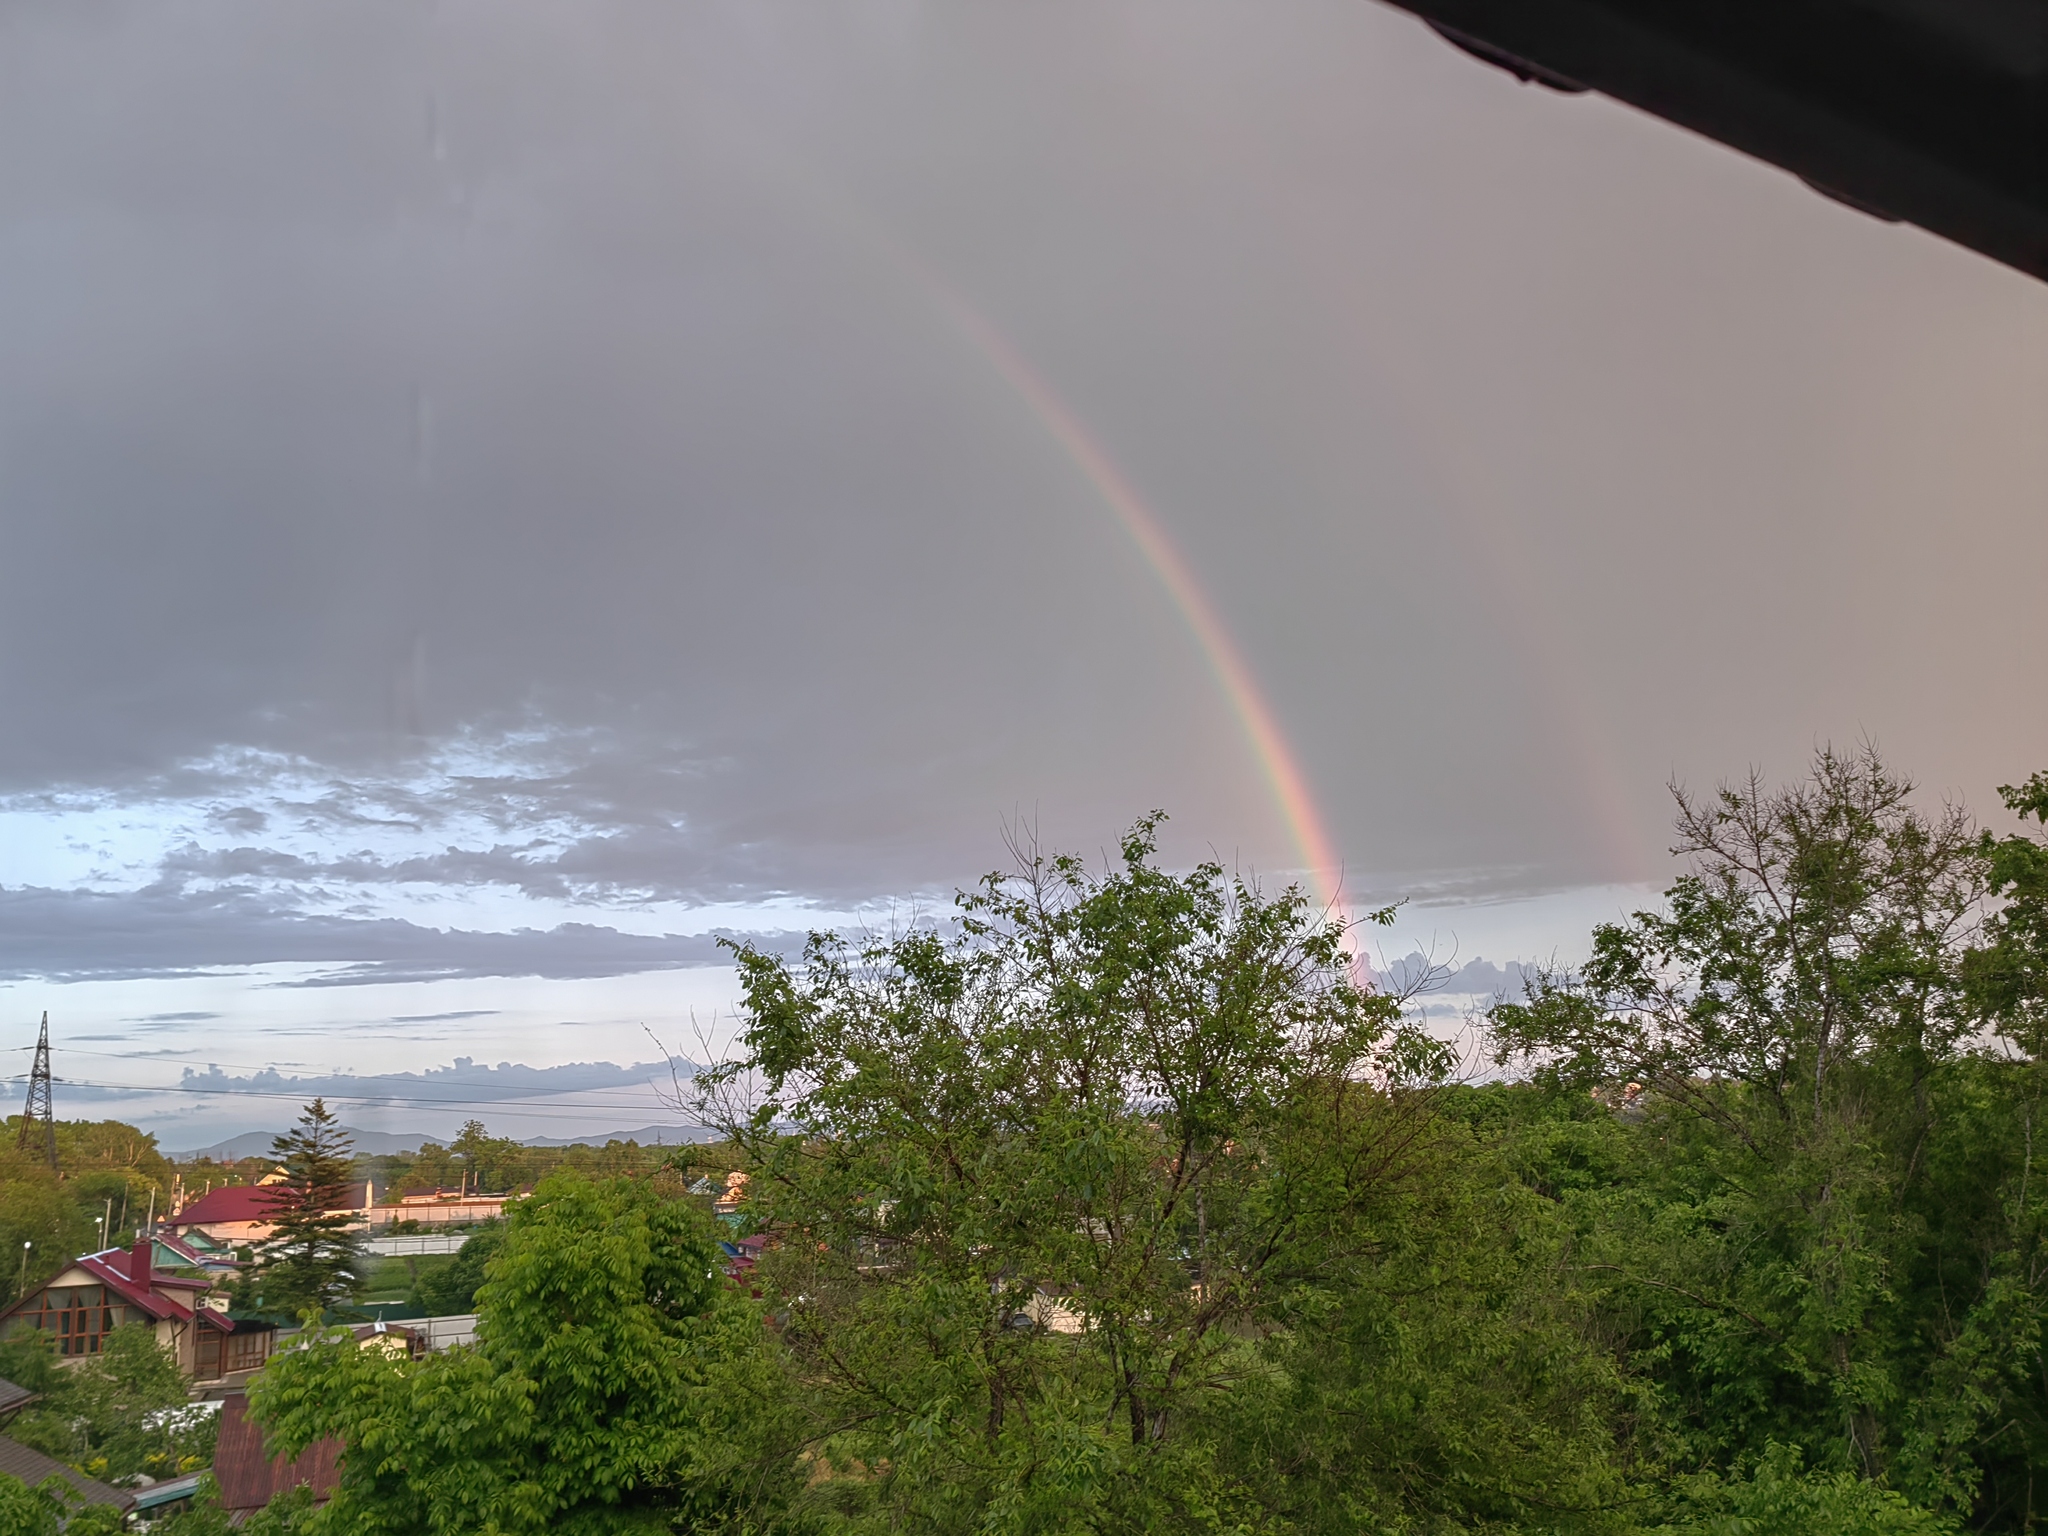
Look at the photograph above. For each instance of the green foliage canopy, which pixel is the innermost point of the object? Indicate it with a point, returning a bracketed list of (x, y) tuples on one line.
[(618, 1385), (122, 1412), (1128, 1208)]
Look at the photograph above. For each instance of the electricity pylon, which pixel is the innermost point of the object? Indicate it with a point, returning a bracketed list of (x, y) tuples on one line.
[(38, 1108)]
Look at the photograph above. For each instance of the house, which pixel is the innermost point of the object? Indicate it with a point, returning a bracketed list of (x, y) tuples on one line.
[(32, 1467), (249, 1477), (236, 1214), (743, 1254), (728, 1204), (229, 1216), (96, 1294), (397, 1341)]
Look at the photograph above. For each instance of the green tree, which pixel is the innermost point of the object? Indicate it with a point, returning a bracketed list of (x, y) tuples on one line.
[(289, 1513), (41, 1226), (50, 1507), (313, 1257), (26, 1511), (1103, 1214), (1793, 1239), (492, 1162), (451, 1290), (2008, 975), (121, 1412), (1781, 1498), (619, 1384)]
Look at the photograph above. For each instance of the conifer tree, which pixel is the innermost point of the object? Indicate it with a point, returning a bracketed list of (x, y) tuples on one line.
[(313, 1258)]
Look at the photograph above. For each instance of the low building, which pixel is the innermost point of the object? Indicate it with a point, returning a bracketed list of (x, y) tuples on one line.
[(440, 1209), (727, 1205), (95, 1294), (174, 1496)]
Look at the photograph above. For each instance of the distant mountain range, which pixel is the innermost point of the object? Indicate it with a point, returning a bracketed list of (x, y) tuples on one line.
[(381, 1143)]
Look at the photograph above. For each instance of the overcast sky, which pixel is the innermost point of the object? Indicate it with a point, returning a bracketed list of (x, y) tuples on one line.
[(495, 493)]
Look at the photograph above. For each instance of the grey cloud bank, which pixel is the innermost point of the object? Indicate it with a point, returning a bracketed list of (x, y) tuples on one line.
[(390, 1107), (75, 935)]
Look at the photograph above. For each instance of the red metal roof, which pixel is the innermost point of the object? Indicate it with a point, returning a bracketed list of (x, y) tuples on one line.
[(127, 1274), (249, 1479), (231, 1202)]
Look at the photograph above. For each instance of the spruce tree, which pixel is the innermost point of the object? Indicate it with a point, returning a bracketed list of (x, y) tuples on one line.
[(313, 1259)]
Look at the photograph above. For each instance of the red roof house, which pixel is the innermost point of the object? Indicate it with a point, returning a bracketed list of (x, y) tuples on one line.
[(238, 1213), (234, 1213), (94, 1295)]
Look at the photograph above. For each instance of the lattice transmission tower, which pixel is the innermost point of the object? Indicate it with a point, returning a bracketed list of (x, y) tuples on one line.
[(38, 1119)]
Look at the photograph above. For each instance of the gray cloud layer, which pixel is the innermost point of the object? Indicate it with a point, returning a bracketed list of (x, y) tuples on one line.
[(74, 935), (1418, 973), (576, 384)]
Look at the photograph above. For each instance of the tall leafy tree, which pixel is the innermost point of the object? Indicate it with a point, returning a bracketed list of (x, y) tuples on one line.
[(491, 1162), (312, 1260), (1088, 1212), (1794, 1036)]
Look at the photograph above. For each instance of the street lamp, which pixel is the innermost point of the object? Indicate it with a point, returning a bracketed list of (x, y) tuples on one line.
[(22, 1284)]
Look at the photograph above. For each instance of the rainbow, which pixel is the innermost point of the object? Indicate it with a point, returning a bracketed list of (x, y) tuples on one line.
[(1322, 869), (1269, 746)]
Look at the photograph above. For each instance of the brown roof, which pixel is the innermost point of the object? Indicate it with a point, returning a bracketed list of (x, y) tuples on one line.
[(13, 1397), (249, 1479), (17, 1460)]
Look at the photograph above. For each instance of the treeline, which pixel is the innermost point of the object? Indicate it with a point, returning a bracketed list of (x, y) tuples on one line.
[(109, 1177), (498, 1164), (1124, 1207), (473, 1158)]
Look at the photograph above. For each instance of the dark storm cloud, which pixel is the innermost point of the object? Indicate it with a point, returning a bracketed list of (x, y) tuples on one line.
[(385, 379), (75, 935)]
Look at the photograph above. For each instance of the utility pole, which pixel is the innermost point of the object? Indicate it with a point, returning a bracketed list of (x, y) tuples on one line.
[(38, 1107)]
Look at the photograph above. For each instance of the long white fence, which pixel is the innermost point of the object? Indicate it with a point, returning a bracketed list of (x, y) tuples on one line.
[(446, 1332), (440, 1332), (411, 1244)]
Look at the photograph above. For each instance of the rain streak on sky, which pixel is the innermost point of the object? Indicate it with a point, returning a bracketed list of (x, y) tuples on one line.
[(495, 495)]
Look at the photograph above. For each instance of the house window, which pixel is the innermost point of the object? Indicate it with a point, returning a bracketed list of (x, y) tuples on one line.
[(79, 1315), (246, 1351)]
